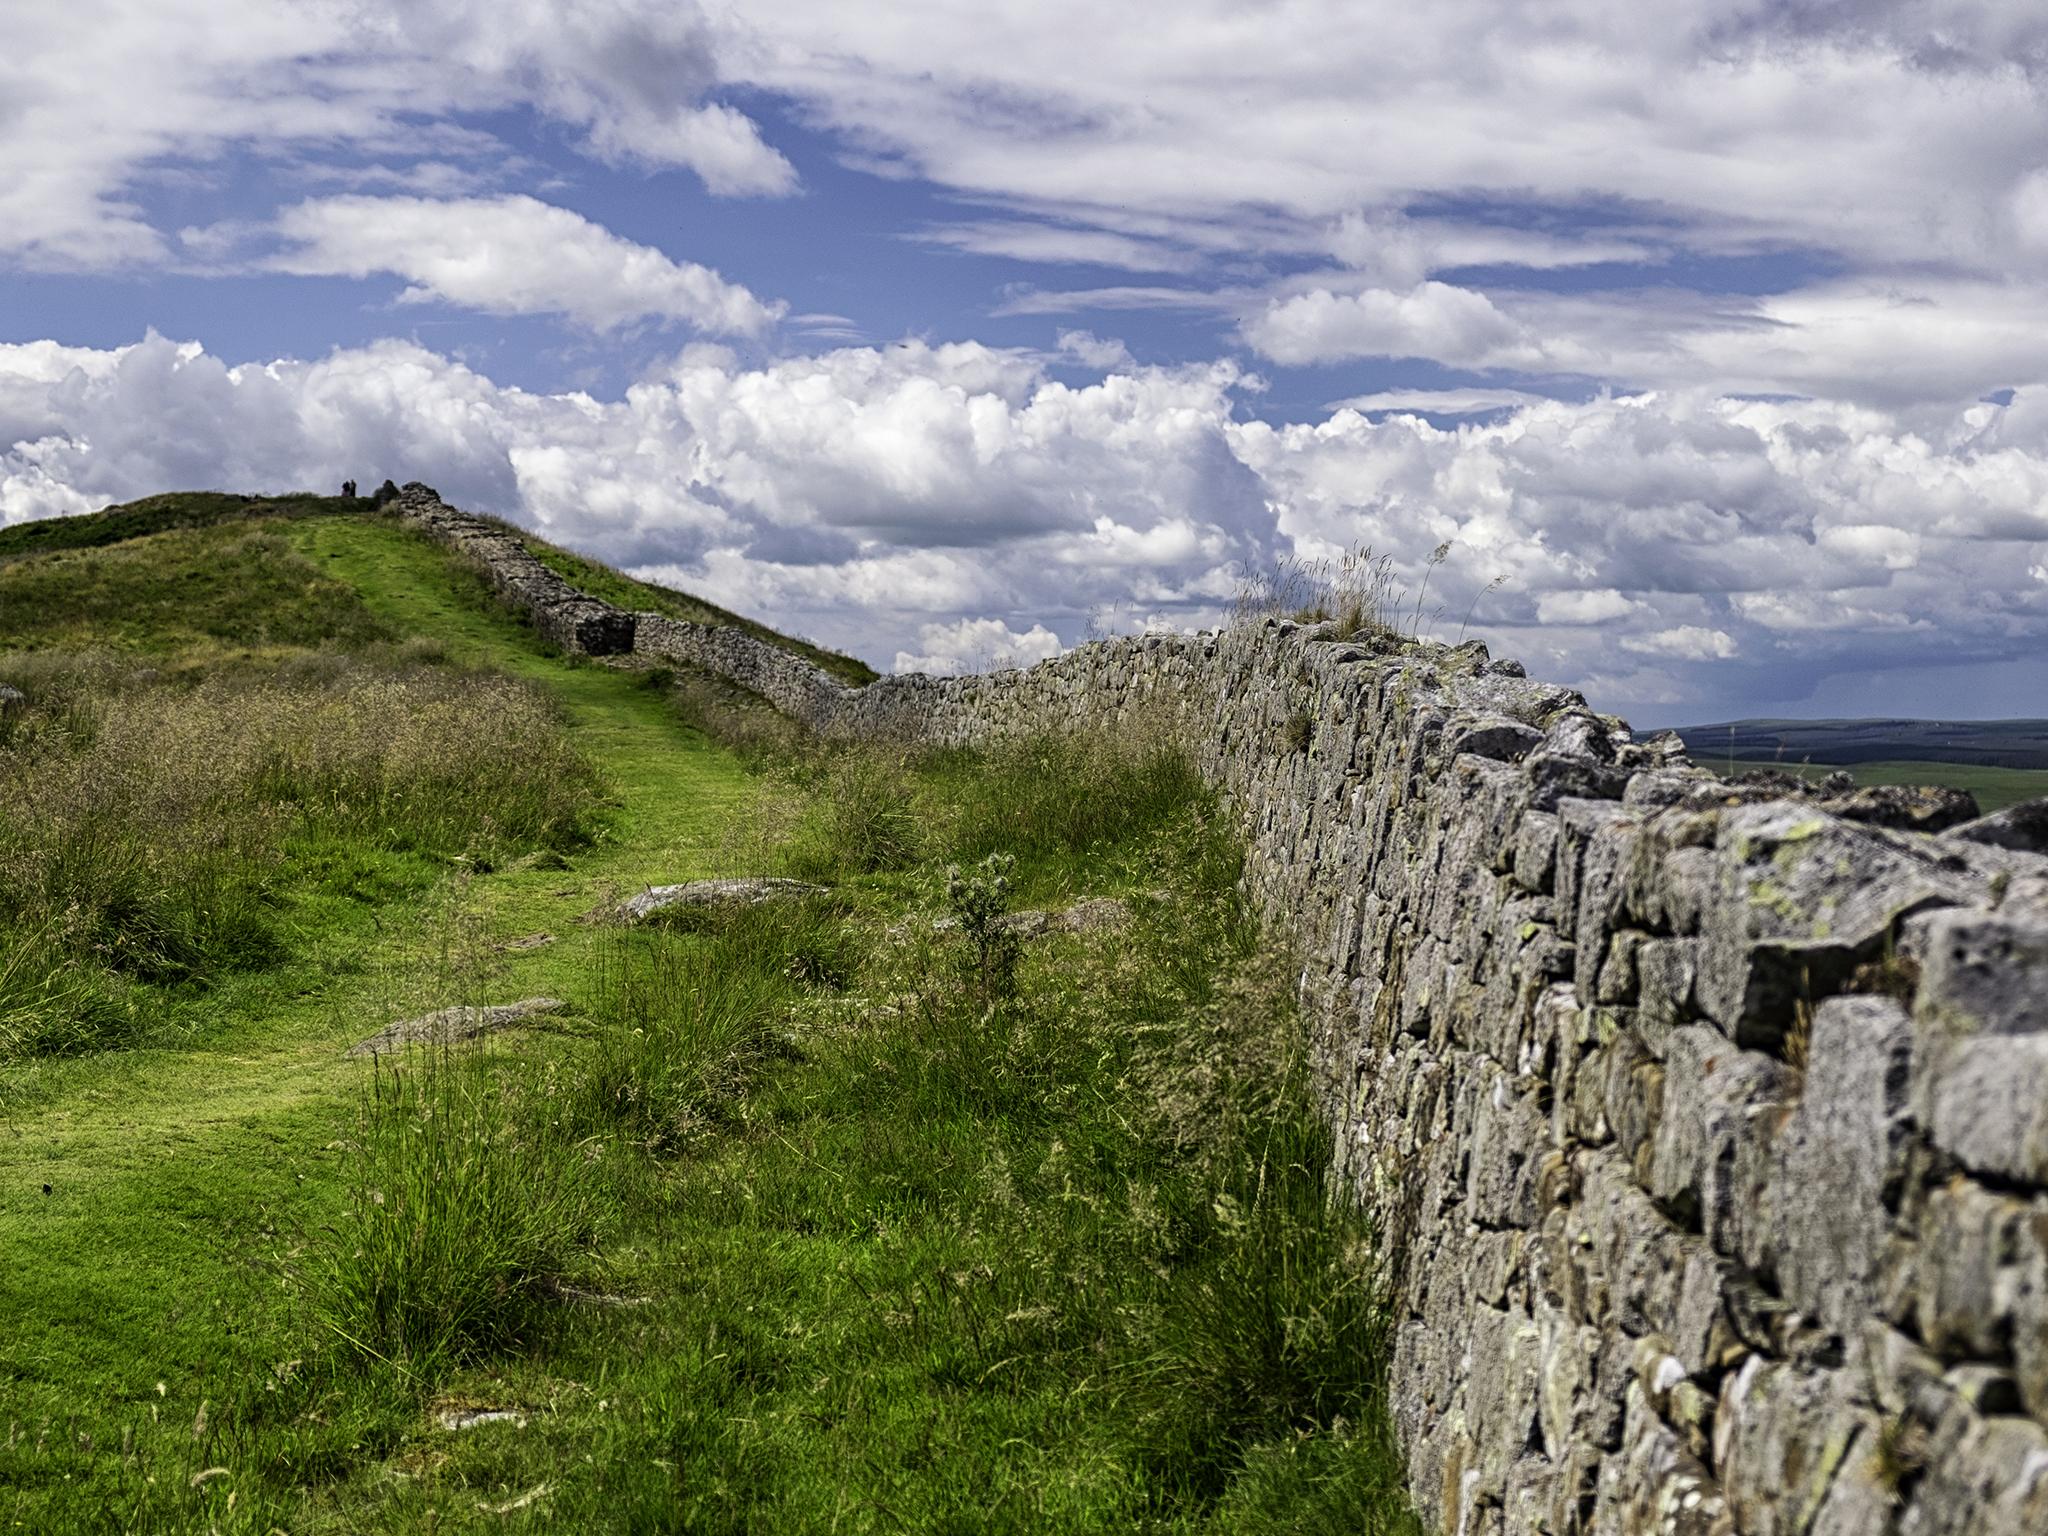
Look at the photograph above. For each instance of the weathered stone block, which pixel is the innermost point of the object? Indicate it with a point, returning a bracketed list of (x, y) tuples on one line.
[(1507, 1143), (1984, 972), (2022, 828), (1501, 1394), (1838, 1155), (1783, 1435), (1492, 736), (1993, 1483), (1714, 1096), (1536, 851), (1618, 979), (1984, 1101), (1577, 821), (1654, 1485), (1799, 899), (1666, 970), (1974, 1272)]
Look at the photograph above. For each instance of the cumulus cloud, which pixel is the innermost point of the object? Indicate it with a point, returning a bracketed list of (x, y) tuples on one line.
[(976, 645), (943, 504), (1093, 351), (1888, 158), (1596, 605), (1686, 642), (512, 256), (1431, 320)]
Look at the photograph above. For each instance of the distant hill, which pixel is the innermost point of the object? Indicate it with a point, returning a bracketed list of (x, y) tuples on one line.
[(1979, 743)]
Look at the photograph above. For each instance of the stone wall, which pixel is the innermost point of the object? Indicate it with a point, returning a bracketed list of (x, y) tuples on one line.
[(1705, 1123), (563, 614)]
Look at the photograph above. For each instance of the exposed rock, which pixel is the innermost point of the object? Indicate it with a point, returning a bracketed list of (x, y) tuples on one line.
[(1839, 1155), (455, 1418), (1984, 972), (524, 943), (751, 891), (1492, 736), (2022, 828), (448, 1026), (1907, 808), (10, 697), (1799, 900)]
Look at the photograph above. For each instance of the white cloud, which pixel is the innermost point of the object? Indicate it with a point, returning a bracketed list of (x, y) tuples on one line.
[(977, 645), (1022, 241), (1751, 548), (1431, 320), (1598, 605), (1440, 402), (104, 95), (1900, 147), (1686, 642), (1093, 351), (512, 256)]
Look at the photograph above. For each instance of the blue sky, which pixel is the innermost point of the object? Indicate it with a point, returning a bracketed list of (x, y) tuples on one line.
[(1712, 340)]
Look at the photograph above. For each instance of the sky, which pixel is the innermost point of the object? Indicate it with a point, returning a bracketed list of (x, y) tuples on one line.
[(1708, 341)]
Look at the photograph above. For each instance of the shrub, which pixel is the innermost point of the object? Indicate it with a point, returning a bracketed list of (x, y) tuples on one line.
[(980, 899)]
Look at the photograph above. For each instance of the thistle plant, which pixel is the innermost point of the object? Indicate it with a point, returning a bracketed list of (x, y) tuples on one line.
[(980, 899)]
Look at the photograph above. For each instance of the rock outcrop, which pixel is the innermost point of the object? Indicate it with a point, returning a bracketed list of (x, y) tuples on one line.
[(451, 1026), (1705, 1128), (709, 895)]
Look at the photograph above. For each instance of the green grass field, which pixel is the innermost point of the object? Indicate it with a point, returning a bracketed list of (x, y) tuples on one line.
[(820, 1219), (1995, 788)]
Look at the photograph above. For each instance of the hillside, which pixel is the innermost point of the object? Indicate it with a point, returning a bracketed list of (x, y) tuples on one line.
[(208, 519), (877, 1202)]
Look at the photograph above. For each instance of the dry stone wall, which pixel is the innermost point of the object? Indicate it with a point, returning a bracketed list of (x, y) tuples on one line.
[(1705, 1125)]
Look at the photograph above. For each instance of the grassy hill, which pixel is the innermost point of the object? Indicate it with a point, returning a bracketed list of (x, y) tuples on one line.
[(210, 519), (814, 1216)]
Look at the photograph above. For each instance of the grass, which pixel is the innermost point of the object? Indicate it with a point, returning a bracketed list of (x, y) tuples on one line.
[(799, 1218), (160, 514), (1357, 594), (156, 830), (898, 1253), (192, 592), (464, 1211)]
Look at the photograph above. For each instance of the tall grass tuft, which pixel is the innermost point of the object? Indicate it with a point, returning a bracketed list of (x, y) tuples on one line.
[(862, 818), (1274, 1324), (1358, 593), (468, 1205), (690, 1016), (1058, 795)]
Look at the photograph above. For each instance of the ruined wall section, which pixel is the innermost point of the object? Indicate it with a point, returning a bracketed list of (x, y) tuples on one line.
[(1706, 1128), (563, 614)]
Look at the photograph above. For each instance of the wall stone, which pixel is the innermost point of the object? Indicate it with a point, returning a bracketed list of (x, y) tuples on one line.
[(1705, 1123)]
